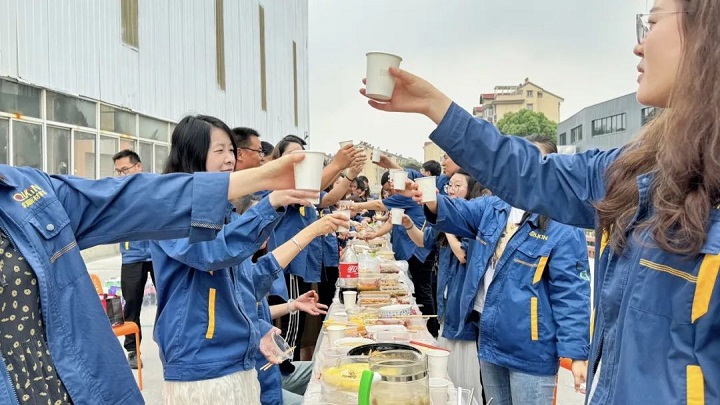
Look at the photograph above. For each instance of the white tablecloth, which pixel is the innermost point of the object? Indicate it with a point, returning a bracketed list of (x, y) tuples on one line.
[(313, 395)]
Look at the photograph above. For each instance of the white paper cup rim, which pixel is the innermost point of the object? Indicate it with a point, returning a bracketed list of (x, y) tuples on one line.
[(383, 53)]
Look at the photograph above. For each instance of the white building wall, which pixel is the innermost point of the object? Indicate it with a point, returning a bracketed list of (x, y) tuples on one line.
[(75, 47)]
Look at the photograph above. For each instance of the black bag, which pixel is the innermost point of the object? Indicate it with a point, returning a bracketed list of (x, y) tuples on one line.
[(112, 304)]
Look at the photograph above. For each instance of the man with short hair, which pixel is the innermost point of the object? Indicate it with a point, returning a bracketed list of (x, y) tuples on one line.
[(249, 149), (431, 168), (136, 262)]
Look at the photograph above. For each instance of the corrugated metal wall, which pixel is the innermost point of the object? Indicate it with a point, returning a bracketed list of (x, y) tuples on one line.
[(75, 46)]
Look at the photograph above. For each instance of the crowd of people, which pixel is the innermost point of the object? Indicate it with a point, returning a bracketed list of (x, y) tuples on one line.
[(500, 256)]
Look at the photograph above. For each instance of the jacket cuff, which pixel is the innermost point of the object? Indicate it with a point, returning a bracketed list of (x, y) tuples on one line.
[(209, 205), (573, 351)]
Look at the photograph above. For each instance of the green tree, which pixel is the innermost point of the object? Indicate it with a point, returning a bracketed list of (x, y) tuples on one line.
[(525, 122)]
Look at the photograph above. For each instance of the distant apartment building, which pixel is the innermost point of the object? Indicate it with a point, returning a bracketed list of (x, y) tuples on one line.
[(507, 99)]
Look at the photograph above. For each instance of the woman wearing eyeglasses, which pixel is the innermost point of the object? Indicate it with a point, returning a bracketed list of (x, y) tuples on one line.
[(655, 203)]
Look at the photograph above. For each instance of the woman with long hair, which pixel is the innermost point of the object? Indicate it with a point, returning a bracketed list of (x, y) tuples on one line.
[(456, 335), (654, 204)]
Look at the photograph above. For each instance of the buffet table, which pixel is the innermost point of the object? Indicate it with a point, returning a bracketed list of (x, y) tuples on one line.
[(314, 394)]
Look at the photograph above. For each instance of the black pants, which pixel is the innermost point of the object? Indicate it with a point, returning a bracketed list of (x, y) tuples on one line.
[(326, 287), (425, 280), (133, 277), (292, 325)]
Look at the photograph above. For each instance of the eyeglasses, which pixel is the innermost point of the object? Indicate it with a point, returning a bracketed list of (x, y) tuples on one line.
[(258, 151), (449, 187), (643, 26), (124, 170)]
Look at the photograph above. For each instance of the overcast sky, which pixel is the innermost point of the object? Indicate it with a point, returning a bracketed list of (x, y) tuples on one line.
[(580, 50)]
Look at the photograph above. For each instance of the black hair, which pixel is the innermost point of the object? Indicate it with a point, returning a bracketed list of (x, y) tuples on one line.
[(127, 153), (547, 143), (433, 167), (474, 190), (191, 143), (267, 148), (242, 136), (385, 178), (284, 143)]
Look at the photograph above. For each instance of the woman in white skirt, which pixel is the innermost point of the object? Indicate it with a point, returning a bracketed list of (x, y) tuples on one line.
[(207, 326), (456, 334)]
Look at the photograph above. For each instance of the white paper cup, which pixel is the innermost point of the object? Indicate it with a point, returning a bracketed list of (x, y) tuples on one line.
[(437, 363), (344, 143), (438, 391), (397, 215), (349, 299), (346, 214), (308, 172), (379, 83), (398, 178), (376, 156), (428, 187), (335, 332)]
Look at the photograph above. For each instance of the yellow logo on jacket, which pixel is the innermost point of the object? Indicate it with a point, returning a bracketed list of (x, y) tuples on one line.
[(29, 196), (538, 236)]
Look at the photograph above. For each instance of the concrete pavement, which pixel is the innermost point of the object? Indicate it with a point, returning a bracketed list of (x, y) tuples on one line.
[(152, 370)]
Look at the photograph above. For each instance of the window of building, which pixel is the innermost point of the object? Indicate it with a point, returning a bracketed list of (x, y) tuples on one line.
[(647, 114), (4, 140), (27, 144), (146, 156), (108, 149), (116, 120), (151, 128), (220, 43), (58, 150), (529, 93), (129, 11), (540, 94), (70, 110), (529, 107), (126, 144), (84, 145), (576, 134), (295, 81), (161, 154), (17, 98), (609, 125), (562, 139), (263, 83)]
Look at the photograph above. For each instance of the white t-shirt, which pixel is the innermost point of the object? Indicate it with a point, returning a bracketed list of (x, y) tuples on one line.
[(514, 218)]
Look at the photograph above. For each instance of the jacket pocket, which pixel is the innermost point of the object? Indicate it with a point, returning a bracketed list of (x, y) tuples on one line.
[(211, 315), (695, 386), (665, 285), (51, 224), (534, 318)]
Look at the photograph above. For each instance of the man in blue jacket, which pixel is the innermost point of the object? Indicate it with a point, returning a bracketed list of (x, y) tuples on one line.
[(136, 262)]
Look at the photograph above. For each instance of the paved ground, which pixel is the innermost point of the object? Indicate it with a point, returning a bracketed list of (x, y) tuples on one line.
[(152, 372)]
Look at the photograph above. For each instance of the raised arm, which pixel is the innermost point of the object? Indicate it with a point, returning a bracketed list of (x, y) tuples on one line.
[(509, 166)]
